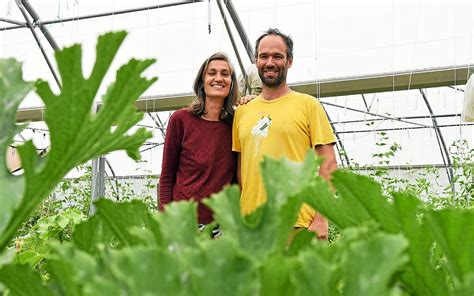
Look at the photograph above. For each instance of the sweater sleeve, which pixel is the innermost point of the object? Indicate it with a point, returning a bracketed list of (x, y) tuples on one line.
[(171, 156)]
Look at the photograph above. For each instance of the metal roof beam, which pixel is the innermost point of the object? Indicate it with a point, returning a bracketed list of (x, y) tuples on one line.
[(18, 23), (355, 85), (442, 145), (387, 82), (111, 13)]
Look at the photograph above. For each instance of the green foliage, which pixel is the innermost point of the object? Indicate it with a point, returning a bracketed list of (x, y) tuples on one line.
[(267, 229), (23, 281), (389, 245), (76, 134), (12, 91), (32, 246), (126, 249), (425, 183), (463, 180)]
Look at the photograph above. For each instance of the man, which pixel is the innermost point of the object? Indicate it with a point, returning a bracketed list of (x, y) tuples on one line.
[(280, 122)]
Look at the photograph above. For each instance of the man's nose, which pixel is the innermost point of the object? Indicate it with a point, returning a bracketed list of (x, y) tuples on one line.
[(270, 61)]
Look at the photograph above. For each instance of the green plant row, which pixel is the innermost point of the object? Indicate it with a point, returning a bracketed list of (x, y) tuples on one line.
[(390, 245)]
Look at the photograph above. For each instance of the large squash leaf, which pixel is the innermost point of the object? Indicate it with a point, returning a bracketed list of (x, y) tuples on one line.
[(12, 91), (22, 280), (267, 229), (370, 264), (360, 200), (453, 229), (76, 134), (420, 276)]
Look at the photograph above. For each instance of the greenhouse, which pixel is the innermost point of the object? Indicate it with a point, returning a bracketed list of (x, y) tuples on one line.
[(81, 167)]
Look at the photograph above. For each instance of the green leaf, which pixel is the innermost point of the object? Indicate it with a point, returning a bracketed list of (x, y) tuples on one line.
[(12, 91), (121, 218), (30, 258), (74, 215), (301, 240), (275, 275), (421, 276), (363, 196), (453, 229), (178, 225), (92, 235), (466, 287), (209, 268), (267, 229), (63, 277), (315, 273), (320, 197), (21, 280), (61, 221), (147, 271), (284, 181), (76, 134), (219, 267), (72, 270), (370, 264)]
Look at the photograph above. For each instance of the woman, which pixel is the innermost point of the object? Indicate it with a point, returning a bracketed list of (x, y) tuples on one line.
[(197, 158)]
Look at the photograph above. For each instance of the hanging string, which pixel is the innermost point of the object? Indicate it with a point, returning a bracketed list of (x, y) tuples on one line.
[(9, 7), (467, 78), (393, 69), (209, 16)]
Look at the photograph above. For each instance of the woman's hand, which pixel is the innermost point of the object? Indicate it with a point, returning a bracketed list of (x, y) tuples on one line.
[(245, 99)]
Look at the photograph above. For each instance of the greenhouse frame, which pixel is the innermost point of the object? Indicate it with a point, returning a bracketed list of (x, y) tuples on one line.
[(394, 78)]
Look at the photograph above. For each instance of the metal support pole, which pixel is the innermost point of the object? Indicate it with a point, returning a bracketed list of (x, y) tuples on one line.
[(159, 124), (23, 25), (365, 103), (401, 128), (84, 17), (37, 21), (442, 145), (339, 144), (241, 30), (406, 117), (374, 114), (98, 177), (231, 37), (456, 88), (98, 182), (116, 189), (30, 26)]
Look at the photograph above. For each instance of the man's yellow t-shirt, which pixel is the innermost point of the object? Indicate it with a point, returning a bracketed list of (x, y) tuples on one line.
[(287, 126)]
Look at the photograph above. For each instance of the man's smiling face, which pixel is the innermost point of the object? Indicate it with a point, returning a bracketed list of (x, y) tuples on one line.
[(272, 61)]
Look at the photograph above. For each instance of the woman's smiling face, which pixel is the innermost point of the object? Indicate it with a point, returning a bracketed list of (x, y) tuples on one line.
[(217, 79)]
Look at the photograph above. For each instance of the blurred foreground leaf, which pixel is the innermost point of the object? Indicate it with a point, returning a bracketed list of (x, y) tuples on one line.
[(76, 134)]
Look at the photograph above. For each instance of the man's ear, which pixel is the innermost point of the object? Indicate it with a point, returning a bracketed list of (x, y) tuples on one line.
[(290, 62)]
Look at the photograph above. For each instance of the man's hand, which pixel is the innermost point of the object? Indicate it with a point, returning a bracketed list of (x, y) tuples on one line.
[(245, 99), (320, 226)]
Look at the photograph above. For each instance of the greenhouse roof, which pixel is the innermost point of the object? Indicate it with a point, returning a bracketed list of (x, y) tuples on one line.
[(386, 71)]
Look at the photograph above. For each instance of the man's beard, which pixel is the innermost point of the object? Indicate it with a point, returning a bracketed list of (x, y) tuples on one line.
[(273, 82)]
